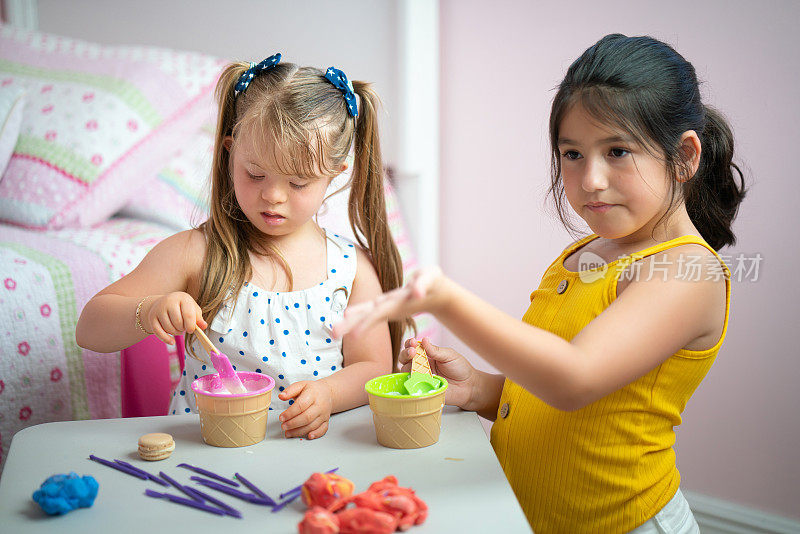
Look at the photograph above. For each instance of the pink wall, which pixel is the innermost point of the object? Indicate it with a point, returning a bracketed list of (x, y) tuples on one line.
[(500, 62)]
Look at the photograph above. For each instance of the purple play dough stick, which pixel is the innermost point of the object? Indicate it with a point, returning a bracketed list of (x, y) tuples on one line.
[(282, 504), (186, 502), (232, 492), (255, 489), (282, 495), (291, 491), (210, 474), (177, 484), (142, 472), (230, 510), (118, 467)]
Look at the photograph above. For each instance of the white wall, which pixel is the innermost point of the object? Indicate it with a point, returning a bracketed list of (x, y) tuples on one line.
[(500, 64), (357, 36)]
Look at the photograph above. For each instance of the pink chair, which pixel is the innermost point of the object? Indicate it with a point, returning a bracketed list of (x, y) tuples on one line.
[(146, 383)]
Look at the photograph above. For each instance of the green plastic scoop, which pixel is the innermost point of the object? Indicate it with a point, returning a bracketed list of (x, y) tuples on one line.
[(421, 381)]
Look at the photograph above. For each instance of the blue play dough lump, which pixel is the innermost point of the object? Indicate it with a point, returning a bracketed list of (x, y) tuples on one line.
[(60, 494)]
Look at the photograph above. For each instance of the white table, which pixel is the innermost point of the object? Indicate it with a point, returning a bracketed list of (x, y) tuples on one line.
[(459, 477)]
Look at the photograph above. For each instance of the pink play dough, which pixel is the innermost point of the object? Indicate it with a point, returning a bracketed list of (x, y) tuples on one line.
[(254, 383)]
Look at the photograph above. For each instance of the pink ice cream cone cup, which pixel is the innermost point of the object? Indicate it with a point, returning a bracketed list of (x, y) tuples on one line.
[(233, 420)]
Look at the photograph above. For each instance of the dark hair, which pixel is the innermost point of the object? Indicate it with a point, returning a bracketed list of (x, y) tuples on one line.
[(649, 90)]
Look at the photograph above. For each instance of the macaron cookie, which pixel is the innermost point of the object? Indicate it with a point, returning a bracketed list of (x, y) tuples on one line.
[(156, 446)]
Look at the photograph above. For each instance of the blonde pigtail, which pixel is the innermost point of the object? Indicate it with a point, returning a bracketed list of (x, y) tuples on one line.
[(367, 210), (226, 248)]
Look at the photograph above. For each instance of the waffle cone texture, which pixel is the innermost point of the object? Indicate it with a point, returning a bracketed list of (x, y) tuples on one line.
[(233, 421), (407, 422)]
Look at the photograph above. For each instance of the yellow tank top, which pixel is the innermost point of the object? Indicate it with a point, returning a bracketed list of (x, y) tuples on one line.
[(609, 466)]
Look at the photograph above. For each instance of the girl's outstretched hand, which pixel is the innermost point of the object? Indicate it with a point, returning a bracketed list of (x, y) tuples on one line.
[(309, 413), (172, 314), (421, 293), (444, 362)]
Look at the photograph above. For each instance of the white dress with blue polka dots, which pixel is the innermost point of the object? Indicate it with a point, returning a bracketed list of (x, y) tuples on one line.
[(284, 335)]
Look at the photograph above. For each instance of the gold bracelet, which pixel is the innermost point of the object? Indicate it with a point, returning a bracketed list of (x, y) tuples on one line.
[(138, 316)]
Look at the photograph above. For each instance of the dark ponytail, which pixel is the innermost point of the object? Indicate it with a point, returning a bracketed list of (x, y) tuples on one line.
[(714, 193), (646, 88)]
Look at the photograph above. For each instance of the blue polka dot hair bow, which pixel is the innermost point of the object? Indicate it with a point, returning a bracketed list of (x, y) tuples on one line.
[(254, 70), (340, 81)]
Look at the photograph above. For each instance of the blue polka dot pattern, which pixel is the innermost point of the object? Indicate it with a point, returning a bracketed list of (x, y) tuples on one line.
[(285, 335)]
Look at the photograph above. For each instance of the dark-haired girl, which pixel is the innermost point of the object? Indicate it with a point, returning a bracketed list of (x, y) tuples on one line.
[(626, 322)]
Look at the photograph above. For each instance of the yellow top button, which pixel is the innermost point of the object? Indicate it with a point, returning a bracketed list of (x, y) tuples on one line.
[(504, 410), (562, 287)]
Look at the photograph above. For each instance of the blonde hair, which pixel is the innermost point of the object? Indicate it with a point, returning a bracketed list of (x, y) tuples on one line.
[(303, 118)]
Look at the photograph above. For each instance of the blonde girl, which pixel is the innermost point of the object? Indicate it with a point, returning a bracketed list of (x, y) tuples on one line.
[(260, 276), (626, 322)]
